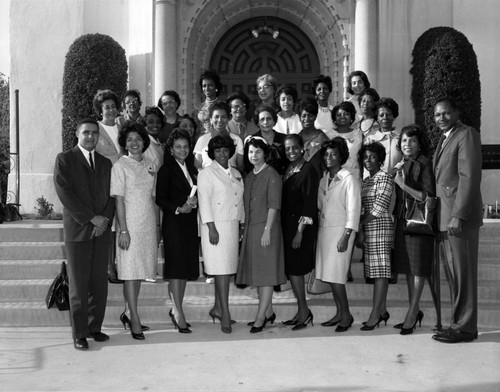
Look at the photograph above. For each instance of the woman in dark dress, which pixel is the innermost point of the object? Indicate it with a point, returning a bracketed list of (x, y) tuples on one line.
[(299, 224), (413, 254), (175, 182)]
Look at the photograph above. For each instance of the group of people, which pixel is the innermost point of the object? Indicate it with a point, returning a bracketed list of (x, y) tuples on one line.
[(276, 189)]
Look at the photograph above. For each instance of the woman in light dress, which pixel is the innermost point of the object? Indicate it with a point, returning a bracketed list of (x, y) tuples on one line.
[(132, 186), (220, 197), (322, 87), (339, 204), (107, 105)]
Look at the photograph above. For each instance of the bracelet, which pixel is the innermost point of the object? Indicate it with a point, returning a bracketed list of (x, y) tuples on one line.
[(124, 232), (348, 232), (266, 228)]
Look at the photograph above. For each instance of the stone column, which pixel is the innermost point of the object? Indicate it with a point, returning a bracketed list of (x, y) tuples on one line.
[(165, 47), (366, 38)]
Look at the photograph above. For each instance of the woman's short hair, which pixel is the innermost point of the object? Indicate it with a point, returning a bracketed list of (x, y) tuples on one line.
[(257, 142), (170, 93), (239, 95), (266, 78), (322, 79), (363, 77), (296, 137), (189, 118), (389, 104), (132, 93), (153, 110), (340, 144), (219, 106), (266, 108), (287, 89), (177, 134), (221, 141), (370, 92), (210, 74), (310, 105), (374, 147), (100, 97), (417, 131), (347, 107), (130, 127)]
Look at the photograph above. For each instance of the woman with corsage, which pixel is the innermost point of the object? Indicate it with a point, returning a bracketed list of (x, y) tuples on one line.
[(175, 194), (132, 186), (339, 204), (261, 258), (299, 224), (220, 196), (413, 253)]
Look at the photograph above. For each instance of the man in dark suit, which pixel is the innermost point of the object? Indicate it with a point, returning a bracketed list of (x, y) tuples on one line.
[(457, 168), (82, 180)]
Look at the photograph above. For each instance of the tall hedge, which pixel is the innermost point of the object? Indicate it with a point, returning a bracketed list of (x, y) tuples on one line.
[(4, 136), (94, 62), (444, 63)]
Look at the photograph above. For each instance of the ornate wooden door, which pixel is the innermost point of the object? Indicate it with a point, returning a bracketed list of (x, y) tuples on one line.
[(239, 57)]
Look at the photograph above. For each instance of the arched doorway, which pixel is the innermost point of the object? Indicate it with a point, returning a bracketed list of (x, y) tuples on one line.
[(240, 57)]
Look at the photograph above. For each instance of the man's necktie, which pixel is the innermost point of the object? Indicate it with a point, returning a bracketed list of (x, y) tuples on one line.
[(91, 161)]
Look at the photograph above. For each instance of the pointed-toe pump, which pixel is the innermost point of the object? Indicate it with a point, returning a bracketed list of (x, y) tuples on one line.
[(126, 321), (367, 327), (341, 328), (302, 325)]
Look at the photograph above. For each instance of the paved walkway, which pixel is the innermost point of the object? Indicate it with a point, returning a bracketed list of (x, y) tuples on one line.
[(314, 359)]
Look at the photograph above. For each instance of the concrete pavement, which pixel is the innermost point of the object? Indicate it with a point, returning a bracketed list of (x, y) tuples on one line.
[(313, 359)]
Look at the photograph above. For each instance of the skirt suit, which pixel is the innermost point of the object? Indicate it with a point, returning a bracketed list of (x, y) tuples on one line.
[(379, 233), (220, 197), (260, 266), (135, 182), (339, 204), (299, 202), (413, 254), (180, 231)]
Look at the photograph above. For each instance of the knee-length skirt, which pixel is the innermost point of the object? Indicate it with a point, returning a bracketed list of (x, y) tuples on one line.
[(221, 259), (331, 265)]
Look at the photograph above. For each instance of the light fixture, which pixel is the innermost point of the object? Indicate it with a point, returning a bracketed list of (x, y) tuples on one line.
[(265, 30)]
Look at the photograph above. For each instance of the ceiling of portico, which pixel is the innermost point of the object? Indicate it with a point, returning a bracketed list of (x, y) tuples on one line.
[(326, 23)]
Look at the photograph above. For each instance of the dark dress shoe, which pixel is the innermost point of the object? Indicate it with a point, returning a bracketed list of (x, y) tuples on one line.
[(99, 336), (81, 344), (454, 336)]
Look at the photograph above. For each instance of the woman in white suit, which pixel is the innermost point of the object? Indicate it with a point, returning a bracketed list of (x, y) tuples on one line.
[(220, 197), (107, 105)]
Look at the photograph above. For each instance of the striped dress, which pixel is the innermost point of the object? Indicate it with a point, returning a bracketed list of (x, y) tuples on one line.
[(379, 233)]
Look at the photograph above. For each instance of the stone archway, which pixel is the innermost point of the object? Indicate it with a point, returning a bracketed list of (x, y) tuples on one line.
[(239, 57), (325, 23)]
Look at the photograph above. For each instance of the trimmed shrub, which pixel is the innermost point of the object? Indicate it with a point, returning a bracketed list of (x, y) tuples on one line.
[(4, 136), (444, 63), (94, 62)]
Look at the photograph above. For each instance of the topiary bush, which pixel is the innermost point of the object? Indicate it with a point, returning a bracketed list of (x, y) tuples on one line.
[(4, 136), (444, 63), (94, 62)]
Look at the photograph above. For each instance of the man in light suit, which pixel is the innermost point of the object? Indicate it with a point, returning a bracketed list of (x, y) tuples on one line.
[(457, 168), (82, 181)]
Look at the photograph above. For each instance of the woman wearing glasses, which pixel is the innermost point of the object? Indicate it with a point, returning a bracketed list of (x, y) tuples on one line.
[(239, 125)]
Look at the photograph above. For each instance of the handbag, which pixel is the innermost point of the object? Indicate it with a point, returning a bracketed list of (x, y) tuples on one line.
[(420, 216), (317, 286), (59, 291)]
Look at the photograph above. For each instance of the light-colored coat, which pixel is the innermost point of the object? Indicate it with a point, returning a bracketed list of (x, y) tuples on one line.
[(220, 197), (457, 168)]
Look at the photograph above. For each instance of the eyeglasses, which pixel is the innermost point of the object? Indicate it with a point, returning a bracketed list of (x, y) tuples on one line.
[(238, 107), (131, 101), (264, 87)]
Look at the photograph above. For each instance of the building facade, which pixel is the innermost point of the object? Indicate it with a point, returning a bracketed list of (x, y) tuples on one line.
[(169, 43)]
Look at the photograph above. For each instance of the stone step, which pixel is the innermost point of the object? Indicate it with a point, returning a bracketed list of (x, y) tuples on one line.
[(32, 231), (155, 311)]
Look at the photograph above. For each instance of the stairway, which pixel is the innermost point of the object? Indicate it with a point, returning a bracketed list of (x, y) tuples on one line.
[(31, 253)]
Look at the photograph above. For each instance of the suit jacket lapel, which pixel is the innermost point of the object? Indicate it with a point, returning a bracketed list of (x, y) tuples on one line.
[(179, 173)]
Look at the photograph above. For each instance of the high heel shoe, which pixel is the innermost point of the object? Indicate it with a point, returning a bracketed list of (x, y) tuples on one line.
[(226, 329), (420, 316), (341, 328), (172, 317), (269, 320), (367, 327), (293, 321), (126, 321), (176, 326), (302, 325), (137, 336), (214, 316), (255, 329), (385, 316)]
